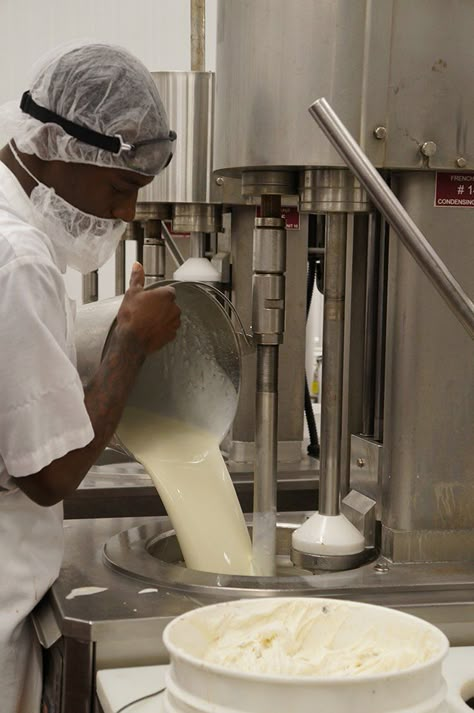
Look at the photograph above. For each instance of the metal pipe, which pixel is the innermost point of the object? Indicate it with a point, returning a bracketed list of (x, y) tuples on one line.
[(413, 239), (154, 252), (140, 240), (333, 355), (120, 268), (90, 287), (198, 35), (265, 481), (173, 249), (381, 332), (197, 244), (371, 294), (154, 260), (269, 263), (271, 206)]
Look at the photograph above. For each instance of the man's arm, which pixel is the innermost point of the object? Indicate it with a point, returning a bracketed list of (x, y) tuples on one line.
[(146, 321)]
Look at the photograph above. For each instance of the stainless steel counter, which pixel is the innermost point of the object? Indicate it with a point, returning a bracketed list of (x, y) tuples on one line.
[(123, 625), (442, 593)]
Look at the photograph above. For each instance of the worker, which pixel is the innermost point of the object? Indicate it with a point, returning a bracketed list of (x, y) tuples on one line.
[(87, 135)]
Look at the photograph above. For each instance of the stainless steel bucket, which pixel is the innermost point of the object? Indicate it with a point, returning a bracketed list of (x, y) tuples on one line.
[(195, 379)]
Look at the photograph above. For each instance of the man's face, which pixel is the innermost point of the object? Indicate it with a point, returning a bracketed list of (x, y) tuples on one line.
[(104, 192)]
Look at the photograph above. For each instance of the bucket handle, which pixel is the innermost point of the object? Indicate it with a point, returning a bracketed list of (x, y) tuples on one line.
[(246, 341)]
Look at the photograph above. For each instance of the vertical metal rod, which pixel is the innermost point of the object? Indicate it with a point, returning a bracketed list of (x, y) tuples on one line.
[(333, 358), (154, 260), (395, 214), (371, 295), (266, 418), (381, 332), (140, 239), (154, 252), (266, 442), (271, 206), (198, 35), (120, 268), (90, 287), (213, 244), (197, 244)]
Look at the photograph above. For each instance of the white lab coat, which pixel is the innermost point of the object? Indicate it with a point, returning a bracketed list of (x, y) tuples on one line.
[(42, 417)]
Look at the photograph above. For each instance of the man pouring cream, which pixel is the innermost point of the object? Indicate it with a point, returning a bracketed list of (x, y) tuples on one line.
[(90, 132)]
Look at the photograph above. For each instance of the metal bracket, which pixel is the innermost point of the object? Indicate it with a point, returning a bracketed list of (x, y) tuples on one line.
[(360, 511), (366, 469)]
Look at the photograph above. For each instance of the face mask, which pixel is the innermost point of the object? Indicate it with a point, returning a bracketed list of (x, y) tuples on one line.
[(86, 241)]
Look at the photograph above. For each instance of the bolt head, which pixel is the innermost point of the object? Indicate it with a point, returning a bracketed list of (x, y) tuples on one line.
[(381, 568), (360, 462), (380, 133), (220, 181), (428, 149), (461, 162)]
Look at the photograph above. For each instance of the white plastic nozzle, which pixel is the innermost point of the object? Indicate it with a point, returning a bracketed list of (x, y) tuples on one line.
[(196, 269), (328, 535)]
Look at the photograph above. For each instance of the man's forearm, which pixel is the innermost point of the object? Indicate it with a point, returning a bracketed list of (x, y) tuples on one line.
[(105, 398), (107, 393)]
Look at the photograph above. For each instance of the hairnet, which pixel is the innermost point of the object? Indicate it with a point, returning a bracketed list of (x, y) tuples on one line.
[(100, 87)]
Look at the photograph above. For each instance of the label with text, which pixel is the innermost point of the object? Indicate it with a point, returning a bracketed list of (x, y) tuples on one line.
[(290, 214), (454, 190)]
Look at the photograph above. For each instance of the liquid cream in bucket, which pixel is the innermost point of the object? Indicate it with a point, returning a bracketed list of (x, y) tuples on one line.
[(189, 473)]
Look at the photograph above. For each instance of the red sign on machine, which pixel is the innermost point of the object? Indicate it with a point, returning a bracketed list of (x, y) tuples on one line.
[(169, 225), (290, 214), (454, 190)]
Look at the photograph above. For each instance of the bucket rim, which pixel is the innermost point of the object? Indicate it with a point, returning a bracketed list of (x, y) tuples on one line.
[(180, 653)]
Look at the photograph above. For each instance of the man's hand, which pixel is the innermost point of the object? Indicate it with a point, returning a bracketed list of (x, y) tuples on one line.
[(151, 317)]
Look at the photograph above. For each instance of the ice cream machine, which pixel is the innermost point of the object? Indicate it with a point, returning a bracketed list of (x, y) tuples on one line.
[(399, 447), (397, 422), (401, 364)]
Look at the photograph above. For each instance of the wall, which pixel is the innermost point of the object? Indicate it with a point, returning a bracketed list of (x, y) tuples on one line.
[(156, 31)]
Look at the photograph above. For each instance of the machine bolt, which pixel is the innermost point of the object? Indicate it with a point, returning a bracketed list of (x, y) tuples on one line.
[(461, 162), (428, 149), (380, 133), (220, 181), (381, 568), (360, 462)]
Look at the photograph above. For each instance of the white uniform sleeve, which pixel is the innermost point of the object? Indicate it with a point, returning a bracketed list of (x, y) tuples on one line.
[(42, 410)]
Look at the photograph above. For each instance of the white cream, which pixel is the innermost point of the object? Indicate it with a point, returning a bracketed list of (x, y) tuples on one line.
[(307, 638), (189, 473), (85, 592)]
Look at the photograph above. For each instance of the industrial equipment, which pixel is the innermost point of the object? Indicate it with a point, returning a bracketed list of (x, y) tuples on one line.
[(397, 422)]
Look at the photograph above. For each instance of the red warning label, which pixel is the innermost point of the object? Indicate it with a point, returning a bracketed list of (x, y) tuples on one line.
[(454, 190), (290, 214)]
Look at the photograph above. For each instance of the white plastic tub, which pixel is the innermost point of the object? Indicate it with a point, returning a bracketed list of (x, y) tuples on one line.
[(196, 685)]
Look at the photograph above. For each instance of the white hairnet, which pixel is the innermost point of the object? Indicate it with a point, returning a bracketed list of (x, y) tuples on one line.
[(100, 87)]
